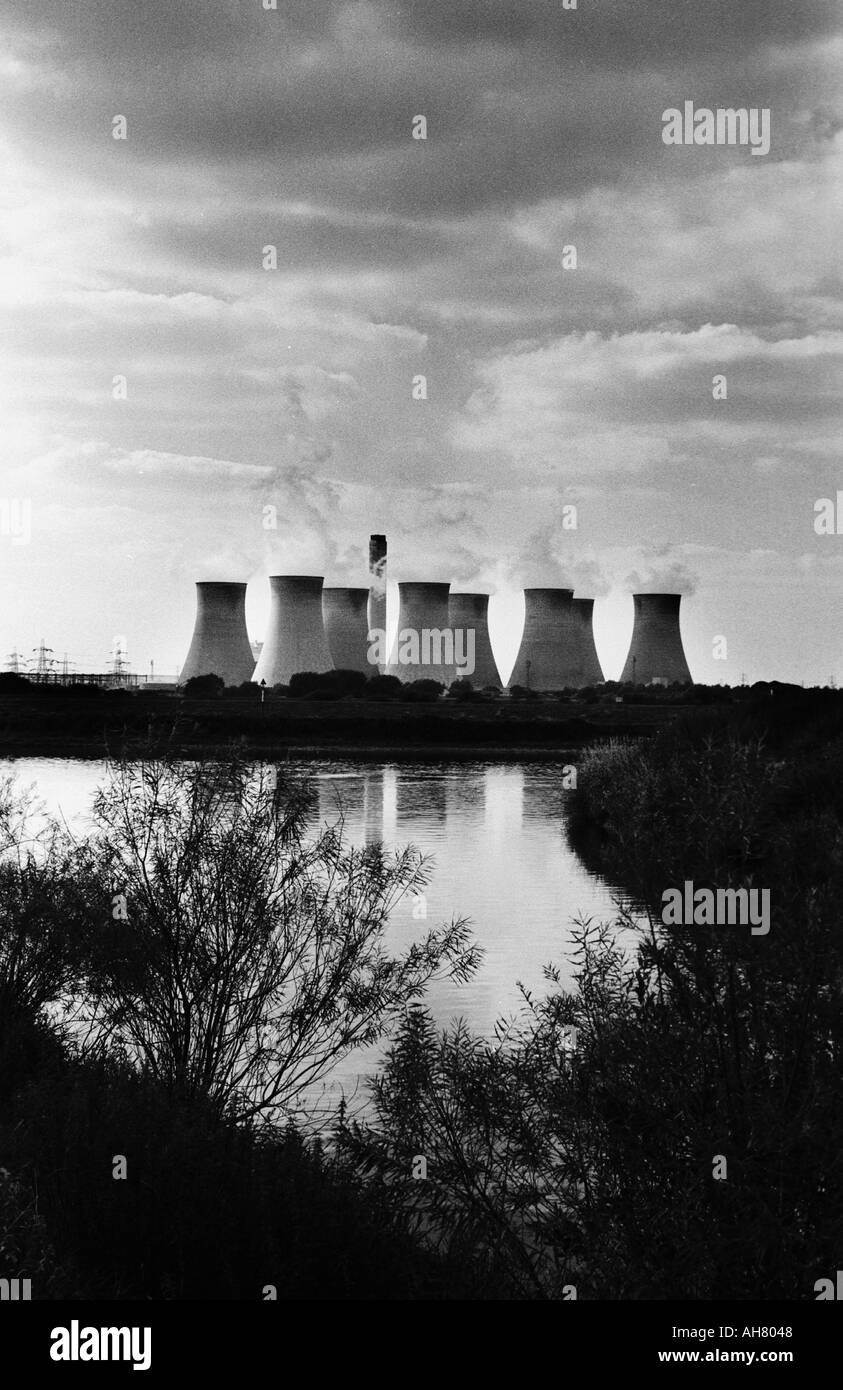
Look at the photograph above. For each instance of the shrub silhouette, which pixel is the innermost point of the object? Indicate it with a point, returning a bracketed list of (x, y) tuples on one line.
[(384, 688), (425, 692), (206, 687), (578, 1145), (253, 956)]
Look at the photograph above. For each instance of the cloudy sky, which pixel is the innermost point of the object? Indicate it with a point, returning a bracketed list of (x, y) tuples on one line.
[(547, 386)]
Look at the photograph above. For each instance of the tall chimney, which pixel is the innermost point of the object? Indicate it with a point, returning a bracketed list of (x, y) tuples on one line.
[(656, 652), (295, 637), (220, 643), (347, 629), (377, 585)]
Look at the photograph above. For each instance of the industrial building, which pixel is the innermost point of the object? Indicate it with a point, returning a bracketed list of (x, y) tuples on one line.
[(345, 614), (295, 638), (469, 613), (592, 671), (377, 583), (656, 653), (377, 592), (551, 655), (440, 636), (220, 643), (424, 641)]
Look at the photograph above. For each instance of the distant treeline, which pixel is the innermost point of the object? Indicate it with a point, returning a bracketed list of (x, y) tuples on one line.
[(328, 715), (329, 686)]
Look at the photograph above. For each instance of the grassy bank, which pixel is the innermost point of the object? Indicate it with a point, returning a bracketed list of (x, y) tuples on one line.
[(207, 1209), (50, 721)]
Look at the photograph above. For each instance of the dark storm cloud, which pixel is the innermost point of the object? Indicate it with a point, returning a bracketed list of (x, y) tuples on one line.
[(156, 32), (349, 135), (127, 34), (324, 97), (623, 31)]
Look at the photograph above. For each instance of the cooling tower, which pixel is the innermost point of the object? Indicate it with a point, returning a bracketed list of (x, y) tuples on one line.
[(345, 614), (592, 671), (656, 652), (469, 614), (220, 644), (295, 636), (423, 648), (551, 653)]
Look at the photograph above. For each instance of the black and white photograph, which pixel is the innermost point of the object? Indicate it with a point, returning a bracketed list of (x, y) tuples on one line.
[(421, 750)]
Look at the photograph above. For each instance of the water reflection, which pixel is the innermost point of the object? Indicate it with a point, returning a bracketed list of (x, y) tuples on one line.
[(421, 796), (503, 802), (495, 834), (465, 797), (544, 799), (500, 856)]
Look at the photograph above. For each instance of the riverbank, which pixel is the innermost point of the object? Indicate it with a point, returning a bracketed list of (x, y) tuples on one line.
[(668, 1128), (55, 724)]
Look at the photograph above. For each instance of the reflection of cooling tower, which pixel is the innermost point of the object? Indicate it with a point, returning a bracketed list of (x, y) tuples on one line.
[(295, 637), (420, 799), (469, 613), (220, 643), (592, 671), (550, 656), (656, 651), (465, 798), (372, 814), (347, 628), (423, 647)]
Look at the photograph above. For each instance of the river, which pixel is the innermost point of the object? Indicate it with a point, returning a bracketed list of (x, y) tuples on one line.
[(496, 834)]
